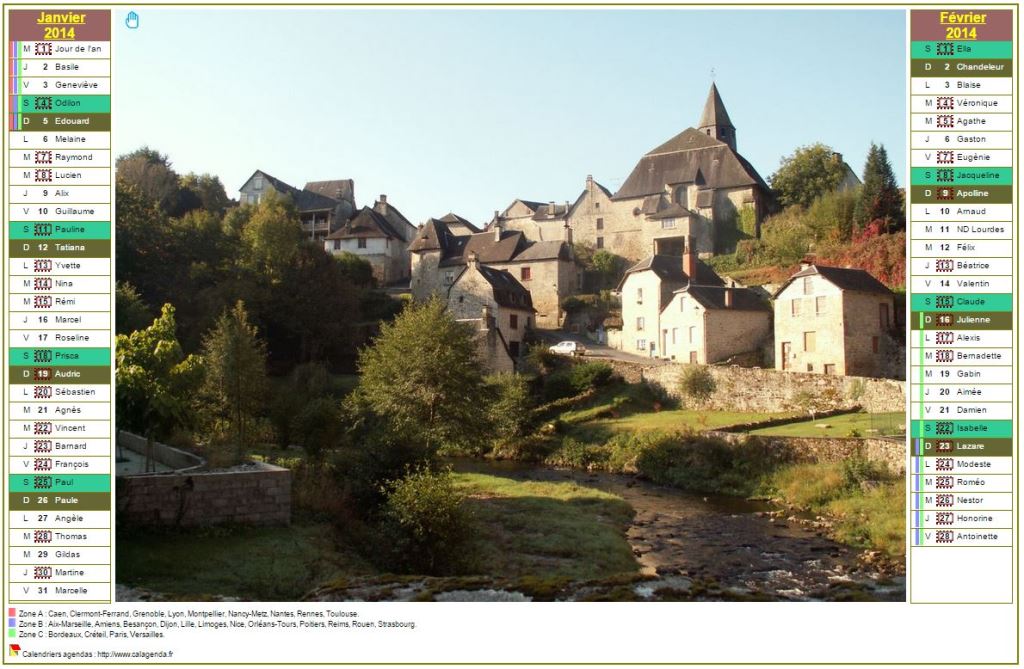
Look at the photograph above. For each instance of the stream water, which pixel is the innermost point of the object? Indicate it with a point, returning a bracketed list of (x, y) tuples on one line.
[(733, 543)]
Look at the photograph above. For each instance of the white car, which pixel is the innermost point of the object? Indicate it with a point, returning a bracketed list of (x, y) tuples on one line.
[(568, 348)]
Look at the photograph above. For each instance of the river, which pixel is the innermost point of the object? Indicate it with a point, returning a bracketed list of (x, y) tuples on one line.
[(731, 547)]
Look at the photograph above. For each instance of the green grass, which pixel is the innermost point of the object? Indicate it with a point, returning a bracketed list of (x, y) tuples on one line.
[(259, 563), (681, 419), (867, 518), (842, 426), (545, 529)]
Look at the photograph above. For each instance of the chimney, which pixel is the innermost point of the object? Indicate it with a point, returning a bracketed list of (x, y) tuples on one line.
[(590, 180), (728, 297), (485, 316), (551, 208), (498, 225), (472, 260), (690, 260), (568, 232), (381, 206), (567, 210)]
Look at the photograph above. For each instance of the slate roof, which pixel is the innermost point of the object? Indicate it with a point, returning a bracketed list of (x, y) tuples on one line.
[(304, 200), (336, 189), (431, 236), (689, 157), (674, 210), (670, 270), (713, 297), (714, 111), (507, 291), (399, 223), (487, 250), (549, 250), (367, 223), (548, 211), (857, 280), (454, 219)]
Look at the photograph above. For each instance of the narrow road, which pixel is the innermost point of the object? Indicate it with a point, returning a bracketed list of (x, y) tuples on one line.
[(595, 350)]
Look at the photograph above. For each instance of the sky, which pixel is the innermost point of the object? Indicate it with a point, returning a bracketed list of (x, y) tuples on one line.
[(466, 110)]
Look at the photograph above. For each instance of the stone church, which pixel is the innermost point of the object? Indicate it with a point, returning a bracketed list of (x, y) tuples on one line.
[(693, 185)]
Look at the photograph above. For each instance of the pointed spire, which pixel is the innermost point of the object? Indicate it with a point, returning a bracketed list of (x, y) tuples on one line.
[(714, 111), (715, 121)]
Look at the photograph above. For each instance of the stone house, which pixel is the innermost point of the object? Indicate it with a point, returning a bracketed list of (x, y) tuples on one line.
[(693, 185), (548, 269), (380, 236), (497, 306), (709, 324), (831, 320), (539, 222), (323, 205), (458, 225)]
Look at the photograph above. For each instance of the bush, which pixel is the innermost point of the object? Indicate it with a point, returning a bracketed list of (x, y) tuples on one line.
[(425, 523), (696, 383), (511, 406), (573, 453), (589, 375), (558, 385), (317, 428), (531, 448)]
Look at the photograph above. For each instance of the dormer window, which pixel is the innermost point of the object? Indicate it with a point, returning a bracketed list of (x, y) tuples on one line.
[(682, 196), (257, 183)]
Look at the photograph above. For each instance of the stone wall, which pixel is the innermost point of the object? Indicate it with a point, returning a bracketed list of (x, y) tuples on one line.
[(889, 452), (252, 494), (769, 390)]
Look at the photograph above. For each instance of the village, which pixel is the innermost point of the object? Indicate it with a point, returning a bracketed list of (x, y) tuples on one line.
[(601, 397), (513, 276)]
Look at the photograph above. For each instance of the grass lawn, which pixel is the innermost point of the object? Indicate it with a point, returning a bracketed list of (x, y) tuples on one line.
[(678, 419), (259, 563), (840, 426), (545, 529)]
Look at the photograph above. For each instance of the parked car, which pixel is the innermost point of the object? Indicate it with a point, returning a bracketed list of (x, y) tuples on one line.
[(569, 348)]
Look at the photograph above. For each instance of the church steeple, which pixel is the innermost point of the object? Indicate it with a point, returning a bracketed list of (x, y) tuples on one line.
[(715, 122)]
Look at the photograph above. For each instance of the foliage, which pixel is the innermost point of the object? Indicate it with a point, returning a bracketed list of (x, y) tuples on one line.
[(235, 381), (356, 269), (880, 198), (422, 376), (602, 268), (208, 190), (155, 379), (574, 453), (150, 172), (696, 383), (425, 523), (272, 237), (131, 313), (306, 382), (510, 407), (317, 428), (806, 174), (586, 375)]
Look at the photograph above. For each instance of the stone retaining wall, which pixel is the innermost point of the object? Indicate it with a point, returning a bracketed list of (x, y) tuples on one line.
[(769, 390), (175, 458), (253, 494), (889, 452)]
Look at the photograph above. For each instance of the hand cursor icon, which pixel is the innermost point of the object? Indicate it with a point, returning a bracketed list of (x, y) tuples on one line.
[(132, 21)]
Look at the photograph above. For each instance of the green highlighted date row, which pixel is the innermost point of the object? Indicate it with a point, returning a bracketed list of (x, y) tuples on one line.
[(59, 229), (60, 357), (75, 104), (989, 429), (961, 302), (58, 483)]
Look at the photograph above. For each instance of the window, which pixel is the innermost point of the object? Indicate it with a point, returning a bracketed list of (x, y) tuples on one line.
[(883, 316), (600, 224), (675, 332), (810, 341), (257, 183), (693, 331), (641, 344), (810, 367), (337, 244), (819, 305), (794, 307), (668, 223), (830, 369), (361, 243), (513, 349), (874, 344), (597, 205), (600, 242), (808, 286), (639, 295), (524, 273), (513, 321), (693, 357), (639, 323)]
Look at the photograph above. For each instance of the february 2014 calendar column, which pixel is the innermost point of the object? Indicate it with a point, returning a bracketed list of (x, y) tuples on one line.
[(59, 348), (961, 283)]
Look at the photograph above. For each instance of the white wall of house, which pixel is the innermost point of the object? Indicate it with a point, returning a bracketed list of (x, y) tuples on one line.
[(810, 326), (641, 313), (682, 330)]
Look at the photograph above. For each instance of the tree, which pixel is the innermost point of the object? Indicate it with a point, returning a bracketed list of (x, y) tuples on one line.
[(131, 312), (155, 380), (422, 377), (810, 172), (235, 376), (150, 172), (510, 405), (880, 198), (208, 191), (272, 236)]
